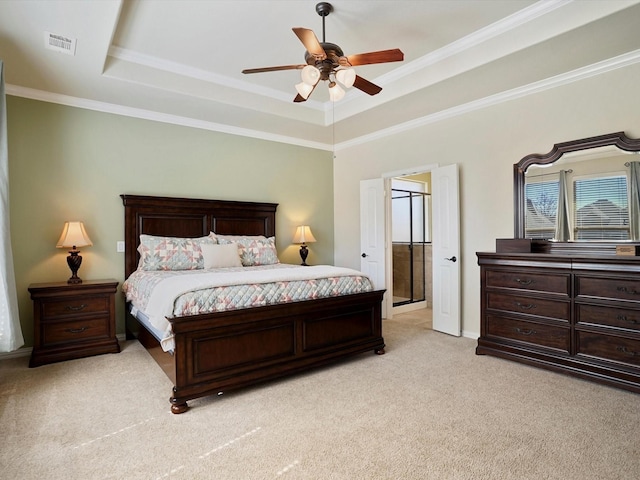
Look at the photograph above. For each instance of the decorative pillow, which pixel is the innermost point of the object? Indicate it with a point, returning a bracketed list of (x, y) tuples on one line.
[(235, 238), (171, 253), (217, 256), (253, 250)]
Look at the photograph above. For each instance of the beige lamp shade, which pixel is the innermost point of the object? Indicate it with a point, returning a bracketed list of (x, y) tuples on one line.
[(303, 235), (74, 235)]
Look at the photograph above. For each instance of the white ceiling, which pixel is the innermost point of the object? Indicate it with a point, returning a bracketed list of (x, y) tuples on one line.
[(180, 61)]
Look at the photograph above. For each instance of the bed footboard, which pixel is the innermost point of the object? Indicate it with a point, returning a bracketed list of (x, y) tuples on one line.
[(227, 350)]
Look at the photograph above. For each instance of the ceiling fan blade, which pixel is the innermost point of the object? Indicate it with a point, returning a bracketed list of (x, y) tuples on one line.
[(274, 69), (383, 56), (310, 42), (366, 86)]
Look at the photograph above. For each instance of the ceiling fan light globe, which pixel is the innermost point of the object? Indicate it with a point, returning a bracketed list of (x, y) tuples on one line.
[(310, 75), (346, 76), (304, 89), (335, 92)]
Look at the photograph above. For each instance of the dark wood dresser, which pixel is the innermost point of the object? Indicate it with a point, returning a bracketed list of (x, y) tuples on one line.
[(578, 315), (73, 320)]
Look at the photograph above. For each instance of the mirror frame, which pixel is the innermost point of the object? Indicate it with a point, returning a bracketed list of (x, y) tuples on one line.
[(618, 139)]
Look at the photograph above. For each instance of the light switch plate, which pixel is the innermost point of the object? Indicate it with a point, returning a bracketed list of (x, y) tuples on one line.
[(119, 247)]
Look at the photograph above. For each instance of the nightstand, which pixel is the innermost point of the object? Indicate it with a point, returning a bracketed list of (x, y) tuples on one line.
[(73, 320)]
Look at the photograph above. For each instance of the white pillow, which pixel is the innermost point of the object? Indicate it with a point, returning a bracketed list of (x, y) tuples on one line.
[(217, 256)]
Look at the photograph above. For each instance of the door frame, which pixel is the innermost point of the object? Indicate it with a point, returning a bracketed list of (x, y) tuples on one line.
[(387, 177)]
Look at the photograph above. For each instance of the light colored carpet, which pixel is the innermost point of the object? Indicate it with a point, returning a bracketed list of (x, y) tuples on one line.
[(428, 409)]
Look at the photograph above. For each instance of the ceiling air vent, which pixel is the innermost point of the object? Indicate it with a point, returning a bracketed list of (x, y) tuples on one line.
[(60, 43)]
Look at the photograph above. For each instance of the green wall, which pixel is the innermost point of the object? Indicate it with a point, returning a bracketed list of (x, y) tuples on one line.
[(67, 163)]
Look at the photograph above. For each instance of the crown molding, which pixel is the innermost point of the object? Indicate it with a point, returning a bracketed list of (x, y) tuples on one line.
[(478, 37), (115, 109), (576, 75), (181, 69)]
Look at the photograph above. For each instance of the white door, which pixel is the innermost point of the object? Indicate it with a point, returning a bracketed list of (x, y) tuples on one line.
[(372, 231), (446, 250)]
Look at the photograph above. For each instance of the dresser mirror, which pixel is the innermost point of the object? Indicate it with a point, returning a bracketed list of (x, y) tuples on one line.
[(584, 192)]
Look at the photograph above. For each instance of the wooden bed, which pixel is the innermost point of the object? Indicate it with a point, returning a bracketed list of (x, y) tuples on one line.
[(217, 352)]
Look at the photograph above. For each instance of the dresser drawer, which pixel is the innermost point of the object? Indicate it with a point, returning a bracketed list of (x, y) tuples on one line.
[(74, 306), (56, 332), (539, 282), (528, 305), (535, 333), (609, 347), (615, 288), (608, 316)]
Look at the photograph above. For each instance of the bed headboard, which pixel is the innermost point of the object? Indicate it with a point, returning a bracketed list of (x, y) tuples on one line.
[(190, 217)]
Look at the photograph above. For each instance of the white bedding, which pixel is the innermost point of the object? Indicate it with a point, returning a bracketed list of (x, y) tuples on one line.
[(283, 282)]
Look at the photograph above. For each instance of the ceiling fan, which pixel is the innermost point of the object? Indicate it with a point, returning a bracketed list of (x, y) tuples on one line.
[(327, 62)]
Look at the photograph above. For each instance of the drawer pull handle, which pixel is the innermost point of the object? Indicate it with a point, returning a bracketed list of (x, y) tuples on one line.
[(627, 290), (525, 331), (76, 330), (623, 318), (76, 309), (626, 351), (528, 306), (524, 282)]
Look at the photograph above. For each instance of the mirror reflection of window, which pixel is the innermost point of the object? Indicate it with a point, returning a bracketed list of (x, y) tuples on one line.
[(598, 186), (541, 206), (601, 208)]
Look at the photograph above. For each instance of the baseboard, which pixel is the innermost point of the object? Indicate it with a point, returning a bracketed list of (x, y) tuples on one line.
[(26, 351), (472, 335), (21, 352)]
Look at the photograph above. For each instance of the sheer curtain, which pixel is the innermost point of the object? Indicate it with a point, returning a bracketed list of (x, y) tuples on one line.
[(10, 333), (634, 204), (563, 223)]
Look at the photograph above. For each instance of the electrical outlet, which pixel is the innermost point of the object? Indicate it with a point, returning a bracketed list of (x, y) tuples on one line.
[(119, 247)]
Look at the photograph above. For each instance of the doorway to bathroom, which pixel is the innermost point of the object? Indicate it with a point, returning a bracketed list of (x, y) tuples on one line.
[(411, 244), (443, 295)]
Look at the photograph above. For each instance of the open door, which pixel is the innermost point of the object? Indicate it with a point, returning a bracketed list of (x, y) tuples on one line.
[(445, 242), (372, 233), (446, 250)]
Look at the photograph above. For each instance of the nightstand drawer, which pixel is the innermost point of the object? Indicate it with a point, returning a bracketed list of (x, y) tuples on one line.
[(75, 306), (56, 332)]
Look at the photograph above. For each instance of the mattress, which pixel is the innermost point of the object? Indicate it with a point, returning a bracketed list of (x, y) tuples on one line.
[(157, 296)]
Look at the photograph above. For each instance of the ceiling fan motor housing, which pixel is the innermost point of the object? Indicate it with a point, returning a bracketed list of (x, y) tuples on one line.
[(327, 65)]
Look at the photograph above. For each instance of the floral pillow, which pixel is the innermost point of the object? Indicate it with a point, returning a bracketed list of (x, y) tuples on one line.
[(171, 253), (253, 250)]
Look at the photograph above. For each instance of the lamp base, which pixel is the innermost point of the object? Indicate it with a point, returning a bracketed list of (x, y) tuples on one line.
[(74, 261), (303, 255)]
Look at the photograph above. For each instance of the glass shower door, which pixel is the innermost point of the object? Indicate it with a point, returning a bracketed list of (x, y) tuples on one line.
[(410, 237)]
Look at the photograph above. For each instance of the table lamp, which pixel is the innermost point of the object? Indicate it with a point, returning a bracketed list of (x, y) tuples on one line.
[(303, 235), (74, 235)]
